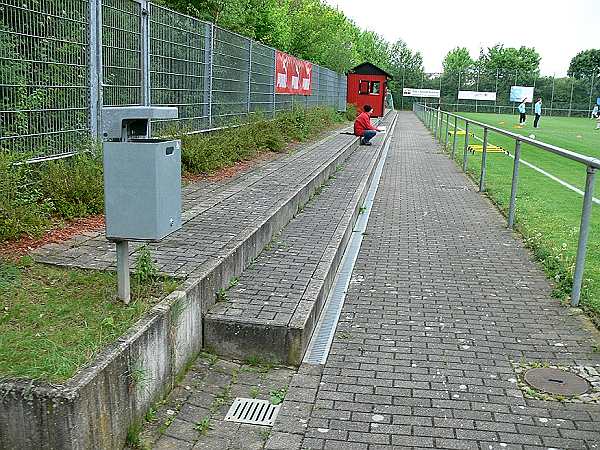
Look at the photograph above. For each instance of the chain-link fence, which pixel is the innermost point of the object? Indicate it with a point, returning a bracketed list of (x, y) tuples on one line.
[(566, 96), (62, 60)]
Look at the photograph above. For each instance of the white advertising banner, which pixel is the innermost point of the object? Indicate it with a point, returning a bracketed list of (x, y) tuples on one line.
[(474, 95), (412, 92), (518, 93)]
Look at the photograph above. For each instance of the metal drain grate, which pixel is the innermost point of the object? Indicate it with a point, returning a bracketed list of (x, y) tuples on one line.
[(252, 411)]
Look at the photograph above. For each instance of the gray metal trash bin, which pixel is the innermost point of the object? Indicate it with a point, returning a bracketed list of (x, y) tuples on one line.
[(142, 181), (142, 189)]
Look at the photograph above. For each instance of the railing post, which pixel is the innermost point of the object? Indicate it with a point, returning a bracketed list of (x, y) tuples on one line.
[(513, 189), (435, 125), (430, 118), (446, 134), (483, 160), (454, 137), (440, 125), (584, 229), (464, 164)]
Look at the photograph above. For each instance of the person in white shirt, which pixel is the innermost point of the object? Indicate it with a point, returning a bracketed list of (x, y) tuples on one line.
[(538, 112), (521, 109), (595, 112)]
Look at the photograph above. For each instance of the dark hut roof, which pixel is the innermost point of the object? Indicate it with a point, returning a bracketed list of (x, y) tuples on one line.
[(367, 68)]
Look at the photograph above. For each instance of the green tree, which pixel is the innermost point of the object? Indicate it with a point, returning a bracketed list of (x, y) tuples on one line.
[(407, 70), (585, 64), (498, 57), (457, 60)]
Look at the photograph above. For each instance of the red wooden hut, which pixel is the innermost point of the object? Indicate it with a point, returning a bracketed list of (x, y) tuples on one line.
[(367, 85)]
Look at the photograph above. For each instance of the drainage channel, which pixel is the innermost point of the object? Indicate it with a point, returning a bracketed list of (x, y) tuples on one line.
[(320, 343)]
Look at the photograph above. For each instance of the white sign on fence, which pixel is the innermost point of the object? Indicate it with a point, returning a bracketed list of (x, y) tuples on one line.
[(518, 93), (412, 92), (474, 95)]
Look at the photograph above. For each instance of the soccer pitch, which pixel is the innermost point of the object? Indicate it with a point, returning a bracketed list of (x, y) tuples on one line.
[(548, 213)]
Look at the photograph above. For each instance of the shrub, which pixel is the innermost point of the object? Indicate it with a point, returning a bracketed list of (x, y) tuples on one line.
[(352, 111), (33, 195), (73, 186), (22, 208), (207, 152)]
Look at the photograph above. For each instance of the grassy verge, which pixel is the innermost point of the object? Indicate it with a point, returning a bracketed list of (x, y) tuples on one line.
[(55, 320), (548, 214), (35, 197)]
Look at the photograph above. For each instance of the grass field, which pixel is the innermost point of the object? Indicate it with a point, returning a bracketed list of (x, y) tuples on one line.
[(548, 214)]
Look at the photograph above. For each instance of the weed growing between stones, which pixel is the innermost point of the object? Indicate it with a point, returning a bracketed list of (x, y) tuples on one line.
[(134, 440), (254, 392), (278, 396), (203, 426)]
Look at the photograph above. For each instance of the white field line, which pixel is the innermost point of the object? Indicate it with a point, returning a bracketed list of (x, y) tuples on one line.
[(543, 172)]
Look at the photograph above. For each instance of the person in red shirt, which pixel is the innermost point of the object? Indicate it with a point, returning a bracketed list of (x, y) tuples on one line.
[(363, 126)]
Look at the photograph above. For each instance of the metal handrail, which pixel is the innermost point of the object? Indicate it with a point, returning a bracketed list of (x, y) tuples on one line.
[(433, 118), (587, 160)]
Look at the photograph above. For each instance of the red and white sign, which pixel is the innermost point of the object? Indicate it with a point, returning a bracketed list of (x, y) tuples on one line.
[(292, 75)]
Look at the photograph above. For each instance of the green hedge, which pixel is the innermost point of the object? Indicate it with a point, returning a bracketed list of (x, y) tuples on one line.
[(33, 197)]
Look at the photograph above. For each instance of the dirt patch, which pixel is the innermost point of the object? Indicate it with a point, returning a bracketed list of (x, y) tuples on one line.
[(60, 233)]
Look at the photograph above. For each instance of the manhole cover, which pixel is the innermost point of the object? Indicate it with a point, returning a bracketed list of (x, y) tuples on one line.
[(557, 381)]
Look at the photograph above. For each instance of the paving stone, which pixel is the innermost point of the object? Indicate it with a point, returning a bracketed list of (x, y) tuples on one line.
[(284, 441), (182, 430), (170, 443)]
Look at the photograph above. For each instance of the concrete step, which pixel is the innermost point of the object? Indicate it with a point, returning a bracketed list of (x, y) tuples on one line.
[(271, 310)]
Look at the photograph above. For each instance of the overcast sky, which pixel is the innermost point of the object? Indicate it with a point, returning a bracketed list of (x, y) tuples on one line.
[(558, 29)]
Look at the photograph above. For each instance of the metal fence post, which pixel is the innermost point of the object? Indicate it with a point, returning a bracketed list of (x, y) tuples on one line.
[(571, 98), (483, 160), (208, 72), (464, 163), (454, 136), (495, 98), (275, 82), (552, 97), (95, 63), (591, 93), (249, 74), (145, 52), (477, 89), (584, 229), (436, 125), (513, 189)]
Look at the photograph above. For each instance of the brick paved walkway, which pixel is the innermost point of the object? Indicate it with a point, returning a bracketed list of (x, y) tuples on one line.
[(270, 308), (444, 302)]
